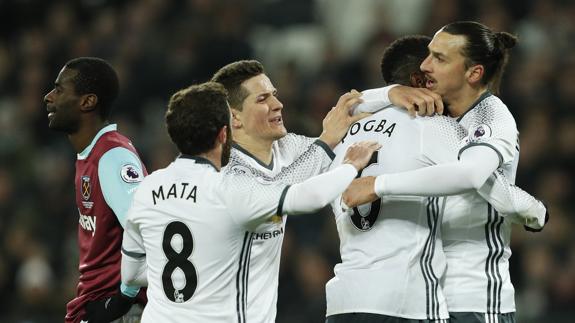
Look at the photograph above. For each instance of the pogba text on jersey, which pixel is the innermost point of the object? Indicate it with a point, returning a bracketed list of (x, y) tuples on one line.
[(176, 190), (370, 126)]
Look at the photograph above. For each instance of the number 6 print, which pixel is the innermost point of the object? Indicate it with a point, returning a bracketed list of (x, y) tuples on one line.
[(366, 222)]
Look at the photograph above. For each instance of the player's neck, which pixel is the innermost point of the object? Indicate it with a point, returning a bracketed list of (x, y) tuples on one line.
[(214, 156), (260, 149), (460, 103), (86, 133)]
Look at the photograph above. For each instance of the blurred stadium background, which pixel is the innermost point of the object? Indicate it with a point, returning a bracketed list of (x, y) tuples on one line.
[(313, 52)]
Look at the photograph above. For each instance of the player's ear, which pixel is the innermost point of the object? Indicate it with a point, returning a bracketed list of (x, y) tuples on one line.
[(236, 118), (222, 135), (474, 74), (88, 102)]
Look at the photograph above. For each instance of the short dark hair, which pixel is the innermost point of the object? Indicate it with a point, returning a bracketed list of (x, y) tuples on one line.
[(98, 77), (195, 115), (233, 75), (484, 47), (403, 57)]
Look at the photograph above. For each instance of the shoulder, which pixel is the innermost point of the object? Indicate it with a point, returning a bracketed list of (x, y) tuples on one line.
[(122, 161), (442, 124), (292, 140), (492, 110)]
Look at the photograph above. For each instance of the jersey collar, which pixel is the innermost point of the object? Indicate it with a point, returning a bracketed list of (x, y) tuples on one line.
[(481, 98), (198, 160), (247, 153), (86, 152)]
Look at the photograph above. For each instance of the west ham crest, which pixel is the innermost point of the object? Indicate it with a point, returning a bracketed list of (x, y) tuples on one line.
[(86, 187)]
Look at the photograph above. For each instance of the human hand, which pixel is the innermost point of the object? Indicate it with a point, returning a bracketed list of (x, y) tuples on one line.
[(360, 191), (339, 118), (359, 153), (537, 226), (416, 100)]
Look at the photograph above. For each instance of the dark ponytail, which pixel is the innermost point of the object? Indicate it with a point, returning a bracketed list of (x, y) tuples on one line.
[(484, 47), (506, 40)]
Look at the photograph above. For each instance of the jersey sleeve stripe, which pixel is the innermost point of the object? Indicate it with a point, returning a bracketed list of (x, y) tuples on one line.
[(326, 148), (481, 144), (135, 255), (282, 199)]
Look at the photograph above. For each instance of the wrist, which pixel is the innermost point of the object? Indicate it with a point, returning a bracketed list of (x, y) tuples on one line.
[(378, 185), (330, 142)]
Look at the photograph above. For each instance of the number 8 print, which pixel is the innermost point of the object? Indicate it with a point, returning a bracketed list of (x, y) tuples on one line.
[(178, 260)]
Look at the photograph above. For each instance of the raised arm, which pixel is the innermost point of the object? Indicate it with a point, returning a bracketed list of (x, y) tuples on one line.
[(416, 100)]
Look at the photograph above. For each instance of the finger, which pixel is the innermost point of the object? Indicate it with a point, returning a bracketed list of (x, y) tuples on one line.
[(429, 106), (437, 101), (411, 109), (353, 101), (375, 146), (359, 116), (439, 108)]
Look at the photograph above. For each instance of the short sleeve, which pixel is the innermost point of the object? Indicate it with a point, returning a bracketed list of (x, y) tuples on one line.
[(133, 244), (120, 172), (491, 124)]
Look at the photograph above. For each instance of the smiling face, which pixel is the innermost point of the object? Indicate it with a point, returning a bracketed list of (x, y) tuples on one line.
[(261, 116), (445, 67), (63, 104)]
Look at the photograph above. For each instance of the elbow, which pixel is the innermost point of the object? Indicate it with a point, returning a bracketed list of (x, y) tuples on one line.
[(475, 182), (471, 180)]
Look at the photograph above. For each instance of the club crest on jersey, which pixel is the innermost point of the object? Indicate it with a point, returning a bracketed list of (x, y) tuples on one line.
[(86, 187), (241, 170), (480, 133), (130, 174)]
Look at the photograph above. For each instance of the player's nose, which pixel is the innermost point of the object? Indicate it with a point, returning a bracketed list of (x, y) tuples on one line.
[(48, 97), (276, 104), (425, 65)]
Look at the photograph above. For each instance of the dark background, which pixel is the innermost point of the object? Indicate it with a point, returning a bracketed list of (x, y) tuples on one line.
[(313, 51)]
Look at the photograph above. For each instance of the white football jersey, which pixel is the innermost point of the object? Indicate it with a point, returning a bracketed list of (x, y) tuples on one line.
[(195, 226), (392, 257), (475, 237), (295, 158)]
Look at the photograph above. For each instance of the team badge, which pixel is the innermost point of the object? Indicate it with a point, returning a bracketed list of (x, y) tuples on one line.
[(86, 187), (480, 133), (241, 170), (130, 174)]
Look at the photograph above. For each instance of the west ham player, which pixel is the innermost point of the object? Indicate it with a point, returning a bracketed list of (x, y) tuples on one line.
[(108, 169), (465, 62), (192, 226)]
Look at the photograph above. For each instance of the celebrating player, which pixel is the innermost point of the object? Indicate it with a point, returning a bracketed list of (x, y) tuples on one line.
[(108, 169), (466, 61), (190, 227), (262, 148)]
